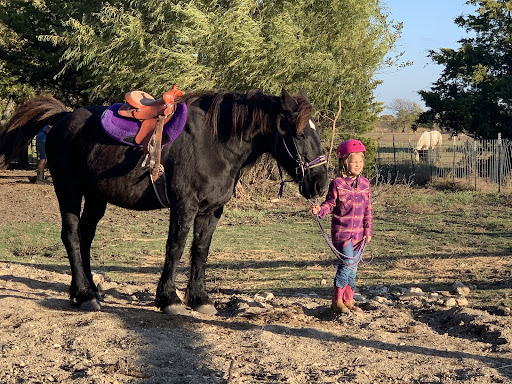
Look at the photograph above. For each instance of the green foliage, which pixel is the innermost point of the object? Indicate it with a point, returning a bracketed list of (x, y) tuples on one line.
[(474, 92), (92, 53), (29, 64), (332, 49), (406, 113), (148, 47), (96, 52)]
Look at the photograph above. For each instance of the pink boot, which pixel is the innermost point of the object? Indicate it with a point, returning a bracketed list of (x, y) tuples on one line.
[(348, 299), (337, 300)]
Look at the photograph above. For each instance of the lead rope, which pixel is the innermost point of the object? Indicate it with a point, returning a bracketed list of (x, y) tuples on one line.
[(346, 260)]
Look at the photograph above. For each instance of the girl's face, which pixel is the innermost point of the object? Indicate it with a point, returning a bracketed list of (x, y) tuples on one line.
[(355, 164)]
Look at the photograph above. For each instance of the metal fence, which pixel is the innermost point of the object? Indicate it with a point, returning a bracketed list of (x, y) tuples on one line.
[(480, 164), (32, 153)]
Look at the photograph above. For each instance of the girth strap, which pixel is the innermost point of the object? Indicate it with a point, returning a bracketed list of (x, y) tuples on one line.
[(157, 171), (160, 187)]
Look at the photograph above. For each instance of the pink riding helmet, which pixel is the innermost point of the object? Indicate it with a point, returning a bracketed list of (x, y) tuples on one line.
[(349, 146)]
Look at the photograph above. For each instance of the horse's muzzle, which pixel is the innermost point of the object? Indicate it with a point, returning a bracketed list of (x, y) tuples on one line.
[(313, 188)]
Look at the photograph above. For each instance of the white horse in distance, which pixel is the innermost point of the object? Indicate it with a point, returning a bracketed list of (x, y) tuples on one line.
[(428, 140)]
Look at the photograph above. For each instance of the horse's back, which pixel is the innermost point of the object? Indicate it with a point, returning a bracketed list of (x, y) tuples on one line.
[(84, 160)]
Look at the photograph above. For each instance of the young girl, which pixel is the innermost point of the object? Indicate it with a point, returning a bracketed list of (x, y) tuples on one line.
[(349, 202)]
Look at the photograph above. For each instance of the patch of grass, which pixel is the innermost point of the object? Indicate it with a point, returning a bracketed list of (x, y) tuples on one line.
[(432, 238), (25, 241), (424, 237), (239, 215), (286, 236)]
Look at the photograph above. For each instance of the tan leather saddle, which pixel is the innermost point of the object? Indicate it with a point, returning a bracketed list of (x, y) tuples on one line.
[(145, 108), (153, 115)]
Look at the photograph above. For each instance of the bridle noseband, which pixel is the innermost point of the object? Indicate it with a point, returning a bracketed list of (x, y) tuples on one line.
[(303, 166)]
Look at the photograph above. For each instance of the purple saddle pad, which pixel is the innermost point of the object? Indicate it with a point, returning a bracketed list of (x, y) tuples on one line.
[(124, 129)]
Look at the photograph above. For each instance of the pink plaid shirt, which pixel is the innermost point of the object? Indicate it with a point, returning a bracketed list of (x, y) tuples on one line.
[(350, 204)]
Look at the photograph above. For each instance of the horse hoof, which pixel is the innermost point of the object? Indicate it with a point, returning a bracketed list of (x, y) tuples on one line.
[(98, 297), (176, 309), (207, 309), (91, 305)]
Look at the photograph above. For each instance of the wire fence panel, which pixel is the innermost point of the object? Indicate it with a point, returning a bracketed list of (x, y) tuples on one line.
[(32, 153), (481, 164)]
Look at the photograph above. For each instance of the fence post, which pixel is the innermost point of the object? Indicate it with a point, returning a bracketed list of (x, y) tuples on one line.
[(377, 162), (453, 166), (500, 173), (394, 157), (432, 155), (412, 159), (475, 163)]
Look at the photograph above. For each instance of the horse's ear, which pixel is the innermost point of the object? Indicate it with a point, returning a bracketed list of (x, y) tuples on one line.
[(288, 103), (304, 94)]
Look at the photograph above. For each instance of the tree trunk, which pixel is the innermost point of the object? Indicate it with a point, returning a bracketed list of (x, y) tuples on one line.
[(6, 114)]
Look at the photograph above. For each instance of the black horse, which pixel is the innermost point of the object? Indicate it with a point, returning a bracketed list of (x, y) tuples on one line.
[(224, 132)]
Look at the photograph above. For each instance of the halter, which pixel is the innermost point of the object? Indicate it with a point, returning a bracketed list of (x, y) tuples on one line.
[(302, 165)]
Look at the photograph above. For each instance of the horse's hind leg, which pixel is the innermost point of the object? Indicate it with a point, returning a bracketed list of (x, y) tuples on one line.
[(204, 226), (94, 209), (80, 291)]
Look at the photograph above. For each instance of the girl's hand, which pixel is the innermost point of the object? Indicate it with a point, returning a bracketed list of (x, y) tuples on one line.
[(315, 209), (368, 238)]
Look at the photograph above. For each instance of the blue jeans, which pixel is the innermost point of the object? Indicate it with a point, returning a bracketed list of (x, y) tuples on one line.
[(346, 274)]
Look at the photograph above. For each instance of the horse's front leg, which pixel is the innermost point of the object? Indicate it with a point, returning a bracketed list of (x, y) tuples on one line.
[(196, 296), (179, 226)]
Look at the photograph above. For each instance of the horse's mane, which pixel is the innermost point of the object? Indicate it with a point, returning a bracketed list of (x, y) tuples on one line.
[(254, 106), (32, 115)]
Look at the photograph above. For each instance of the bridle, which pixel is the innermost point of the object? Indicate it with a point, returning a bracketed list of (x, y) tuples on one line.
[(303, 166)]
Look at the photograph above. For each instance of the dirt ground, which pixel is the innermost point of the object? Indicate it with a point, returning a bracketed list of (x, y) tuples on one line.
[(253, 339)]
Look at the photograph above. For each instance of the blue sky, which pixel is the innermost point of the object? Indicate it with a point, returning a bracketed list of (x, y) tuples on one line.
[(427, 24)]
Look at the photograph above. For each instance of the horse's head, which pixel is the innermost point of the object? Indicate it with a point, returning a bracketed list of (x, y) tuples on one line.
[(297, 145)]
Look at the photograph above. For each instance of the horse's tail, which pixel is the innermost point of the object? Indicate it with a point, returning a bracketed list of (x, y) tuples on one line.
[(27, 120)]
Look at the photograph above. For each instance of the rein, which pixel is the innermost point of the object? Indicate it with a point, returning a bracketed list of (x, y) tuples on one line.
[(303, 166)]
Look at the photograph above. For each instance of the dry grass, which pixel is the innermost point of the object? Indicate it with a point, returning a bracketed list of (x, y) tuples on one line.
[(422, 236)]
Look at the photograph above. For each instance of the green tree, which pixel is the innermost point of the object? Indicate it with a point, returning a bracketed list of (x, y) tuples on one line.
[(28, 64), (406, 113), (474, 92), (93, 52), (330, 48)]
